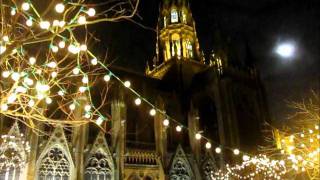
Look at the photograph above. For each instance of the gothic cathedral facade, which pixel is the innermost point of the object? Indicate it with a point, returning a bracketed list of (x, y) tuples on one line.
[(219, 96)]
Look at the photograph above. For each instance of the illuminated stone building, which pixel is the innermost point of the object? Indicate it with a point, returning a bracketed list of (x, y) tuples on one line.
[(219, 97)]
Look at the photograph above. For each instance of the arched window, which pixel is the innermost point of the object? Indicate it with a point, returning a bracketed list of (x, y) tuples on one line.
[(164, 21), (54, 165), (174, 16), (176, 48), (189, 48), (184, 17), (180, 167), (98, 167)]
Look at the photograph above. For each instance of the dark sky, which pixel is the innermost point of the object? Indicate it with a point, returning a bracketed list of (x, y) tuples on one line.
[(261, 23)]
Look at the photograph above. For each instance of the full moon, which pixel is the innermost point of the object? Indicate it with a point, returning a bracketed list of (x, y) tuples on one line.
[(285, 50)]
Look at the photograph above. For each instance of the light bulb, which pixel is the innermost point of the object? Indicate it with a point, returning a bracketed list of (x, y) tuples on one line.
[(99, 121), (5, 38), (73, 49), (12, 98), (107, 78), (87, 107), (76, 71), (44, 24), (55, 22), (198, 136), (15, 76), (152, 112), (21, 89), (48, 100), (127, 84), (87, 115), (54, 74), (62, 44), (25, 6), (32, 60), (166, 122), (82, 89), (208, 145), (85, 80), (245, 158), (94, 61), (2, 49), (236, 151), (60, 93), (28, 81), (82, 20), (83, 47), (218, 150), (59, 8), (13, 12), (42, 87), (5, 74), (54, 49), (91, 12), (29, 22), (72, 106), (178, 128), (52, 64), (137, 101), (31, 103), (4, 107)]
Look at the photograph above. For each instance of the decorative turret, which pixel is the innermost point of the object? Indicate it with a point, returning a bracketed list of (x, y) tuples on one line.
[(176, 35)]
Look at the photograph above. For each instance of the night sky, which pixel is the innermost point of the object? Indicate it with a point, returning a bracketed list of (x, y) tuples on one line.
[(262, 24)]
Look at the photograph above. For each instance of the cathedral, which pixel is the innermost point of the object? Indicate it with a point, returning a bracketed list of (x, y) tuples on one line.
[(218, 96)]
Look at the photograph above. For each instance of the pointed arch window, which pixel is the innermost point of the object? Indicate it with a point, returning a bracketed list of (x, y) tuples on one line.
[(189, 48), (54, 165), (176, 48), (174, 16), (179, 170), (98, 167), (184, 17)]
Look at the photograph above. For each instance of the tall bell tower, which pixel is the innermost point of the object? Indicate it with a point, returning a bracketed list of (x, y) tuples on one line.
[(176, 38)]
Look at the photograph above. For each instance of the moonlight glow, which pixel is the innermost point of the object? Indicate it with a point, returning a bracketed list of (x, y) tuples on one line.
[(285, 50)]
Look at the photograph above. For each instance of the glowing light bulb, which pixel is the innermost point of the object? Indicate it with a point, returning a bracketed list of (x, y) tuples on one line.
[(15, 76), (198, 136), (87, 115), (99, 121), (218, 150), (54, 74), (5, 38), (54, 49), (52, 64), (316, 127), (82, 20), (48, 100), (72, 106), (82, 89), (12, 98), (73, 49), (236, 151), (29, 22), (85, 80), (87, 107), (245, 158), (60, 93), (31, 103), (5, 74), (21, 89), (59, 8), (2, 49), (32, 60), (55, 22), (94, 61), (166, 122), (91, 12), (25, 6), (62, 44), (137, 101), (42, 87), (62, 23), (107, 78), (152, 112), (83, 47), (44, 24), (76, 71), (178, 128), (28, 81), (13, 12), (4, 107), (127, 84), (208, 145)]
